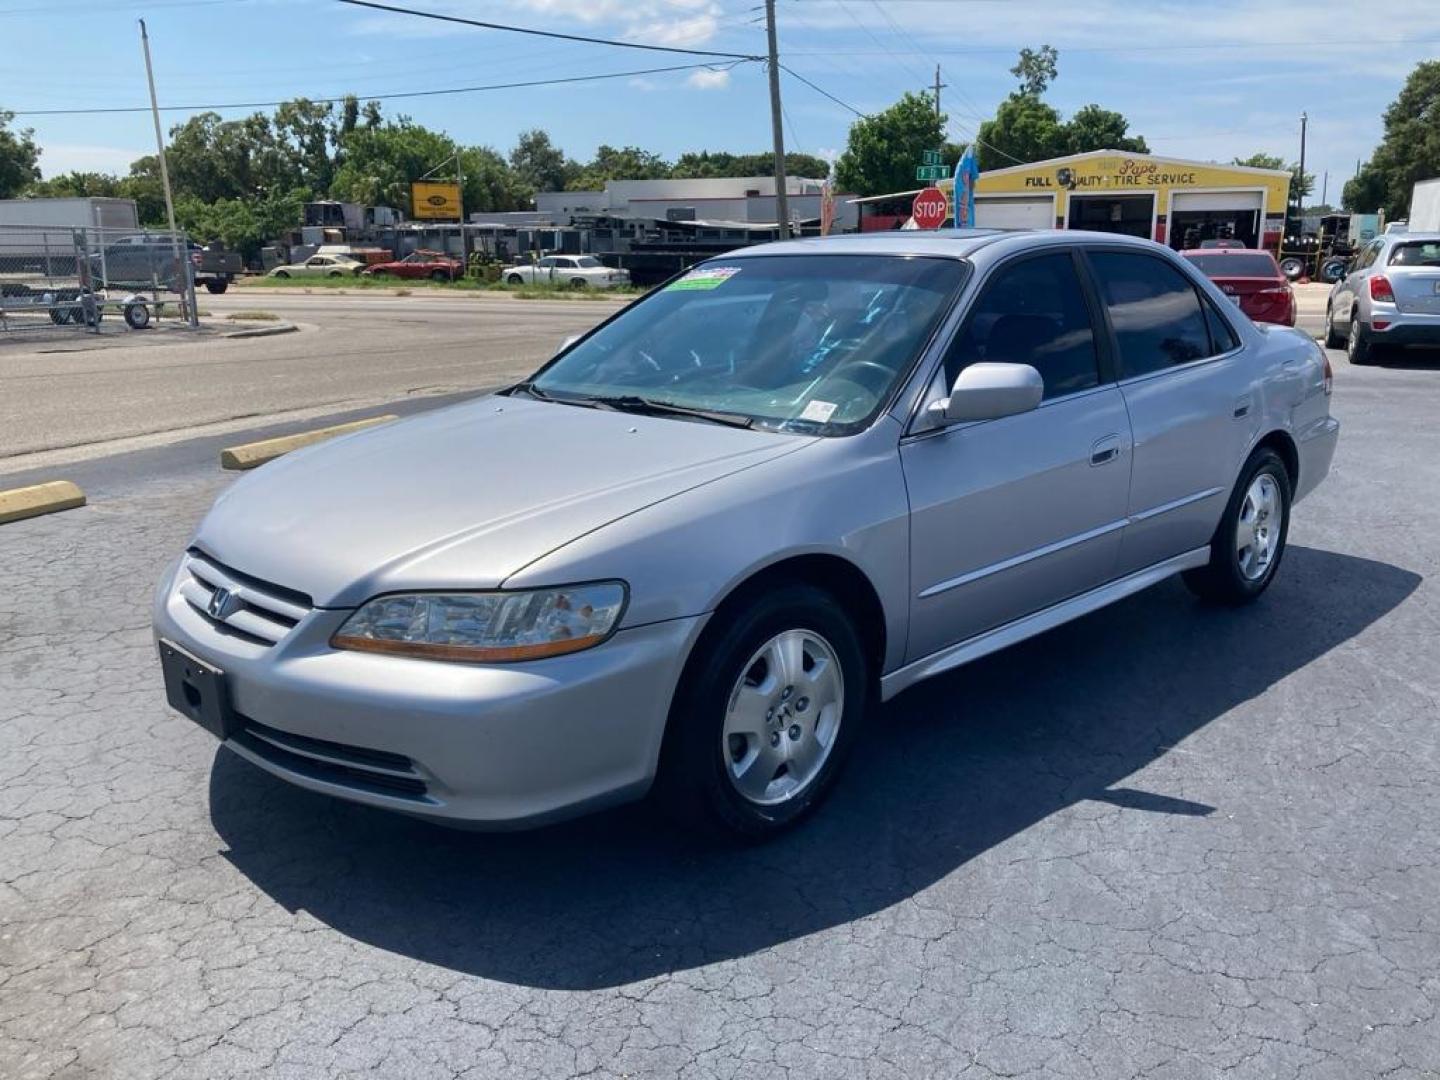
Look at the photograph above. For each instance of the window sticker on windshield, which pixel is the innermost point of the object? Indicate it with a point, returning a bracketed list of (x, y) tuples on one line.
[(707, 277), (819, 411)]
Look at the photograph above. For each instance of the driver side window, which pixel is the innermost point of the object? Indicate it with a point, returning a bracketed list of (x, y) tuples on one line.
[(1032, 312)]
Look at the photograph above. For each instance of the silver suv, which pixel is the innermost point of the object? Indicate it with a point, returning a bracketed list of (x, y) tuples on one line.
[(1390, 296)]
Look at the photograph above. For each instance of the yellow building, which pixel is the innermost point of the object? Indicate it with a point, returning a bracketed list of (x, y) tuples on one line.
[(1174, 201)]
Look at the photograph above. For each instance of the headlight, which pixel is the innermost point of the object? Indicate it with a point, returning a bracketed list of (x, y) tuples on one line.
[(486, 627)]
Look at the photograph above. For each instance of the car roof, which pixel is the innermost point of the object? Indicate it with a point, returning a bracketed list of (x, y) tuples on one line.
[(1410, 237), (1226, 251), (951, 243)]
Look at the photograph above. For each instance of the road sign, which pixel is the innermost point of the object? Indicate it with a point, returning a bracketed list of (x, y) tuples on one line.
[(931, 209), (930, 157), (932, 172)]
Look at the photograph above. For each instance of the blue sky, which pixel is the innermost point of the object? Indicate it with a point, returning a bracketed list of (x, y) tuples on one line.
[(1199, 80)]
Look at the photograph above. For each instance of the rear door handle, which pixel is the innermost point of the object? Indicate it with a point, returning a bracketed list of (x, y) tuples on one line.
[(1104, 450)]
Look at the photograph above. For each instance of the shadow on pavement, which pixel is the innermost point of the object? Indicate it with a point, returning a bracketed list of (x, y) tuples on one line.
[(947, 771), (1415, 358)]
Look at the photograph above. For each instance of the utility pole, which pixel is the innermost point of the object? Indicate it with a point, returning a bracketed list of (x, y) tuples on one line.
[(1300, 176), (777, 130), (181, 265), (938, 87), (1325, 188)]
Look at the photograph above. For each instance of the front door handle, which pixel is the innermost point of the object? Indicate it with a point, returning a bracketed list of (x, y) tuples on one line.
[(1242, 407), (1105, 450)]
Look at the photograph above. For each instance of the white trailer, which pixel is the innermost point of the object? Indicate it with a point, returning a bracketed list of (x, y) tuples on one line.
[(1425, 207)]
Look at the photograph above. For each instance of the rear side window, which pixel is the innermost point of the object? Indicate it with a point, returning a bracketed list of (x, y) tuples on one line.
[(1222, 335), (1154, 309), (1032, 312), (1416, 253)]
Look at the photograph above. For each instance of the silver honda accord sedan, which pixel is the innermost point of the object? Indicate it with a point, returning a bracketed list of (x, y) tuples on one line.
[(689, 555)]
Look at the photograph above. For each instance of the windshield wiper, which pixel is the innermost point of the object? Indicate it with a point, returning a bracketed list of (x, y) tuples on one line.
[(649, 406)]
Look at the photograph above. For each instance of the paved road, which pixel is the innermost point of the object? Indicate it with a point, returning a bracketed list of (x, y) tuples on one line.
[(352, 350), (1164, 842)]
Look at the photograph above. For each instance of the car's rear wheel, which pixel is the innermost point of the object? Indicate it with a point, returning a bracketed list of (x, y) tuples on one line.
[(1332, 339), (578, 283), (1250, 539), (439, 275), (218, 287), (765, 715), (1359, 349), (515, 279)]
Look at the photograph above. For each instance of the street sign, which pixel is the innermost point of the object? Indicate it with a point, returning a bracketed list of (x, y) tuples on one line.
[(931, 209), (930, 157), (932, 172)]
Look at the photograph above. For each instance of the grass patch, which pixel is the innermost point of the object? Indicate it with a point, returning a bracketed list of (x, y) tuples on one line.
[(253, 316)]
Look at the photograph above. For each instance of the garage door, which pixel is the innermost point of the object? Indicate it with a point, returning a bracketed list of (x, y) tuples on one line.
[(1214, 200), (1023, 212)]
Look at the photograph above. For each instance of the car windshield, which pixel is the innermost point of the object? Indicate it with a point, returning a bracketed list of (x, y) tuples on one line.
[(1258, 265), (588, 262), (799, 343), (1418, 253)]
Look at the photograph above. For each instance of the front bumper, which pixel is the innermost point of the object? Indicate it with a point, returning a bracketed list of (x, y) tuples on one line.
[(499, 746)]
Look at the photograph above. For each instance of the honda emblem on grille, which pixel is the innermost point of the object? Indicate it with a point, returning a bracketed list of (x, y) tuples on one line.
[(222, 603)]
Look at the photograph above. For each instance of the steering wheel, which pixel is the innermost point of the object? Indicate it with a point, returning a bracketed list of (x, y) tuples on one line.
[(841, 373)]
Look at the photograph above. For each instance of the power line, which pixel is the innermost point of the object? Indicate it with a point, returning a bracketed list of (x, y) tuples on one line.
[(1010, 49), (543, 33), (823, 93), (381, 97)]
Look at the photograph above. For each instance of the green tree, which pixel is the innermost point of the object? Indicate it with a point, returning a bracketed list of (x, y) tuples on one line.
[(882, 150), (380, 162), (623, 163), (1260, 161), (539, 163), (242, 225), (19, 157), (1036, 70), (1302, 185), (76, 185), (1409, 150), (1025, 129), (705, 163), (1094, 128), (490, 182)]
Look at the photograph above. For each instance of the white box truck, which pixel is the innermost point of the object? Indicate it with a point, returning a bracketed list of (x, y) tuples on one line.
[(38, 235), (1425, 207)]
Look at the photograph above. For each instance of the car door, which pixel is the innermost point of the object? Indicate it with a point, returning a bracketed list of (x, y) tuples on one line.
[(1193, 404), (1009, 516), (315, 266), (1342, 303)]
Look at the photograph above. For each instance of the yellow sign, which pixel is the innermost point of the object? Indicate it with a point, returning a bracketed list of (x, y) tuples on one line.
[(1106, 173), (432, 201)]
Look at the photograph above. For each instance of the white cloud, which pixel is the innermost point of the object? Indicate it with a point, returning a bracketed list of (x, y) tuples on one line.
[(706, 79), (643, 84), (56, 158)]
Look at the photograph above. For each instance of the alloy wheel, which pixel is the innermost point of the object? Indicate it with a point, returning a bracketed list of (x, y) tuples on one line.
[(1257, 529)]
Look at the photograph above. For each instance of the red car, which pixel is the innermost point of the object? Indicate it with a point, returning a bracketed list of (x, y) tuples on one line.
[(1253, 279), (435, 265)]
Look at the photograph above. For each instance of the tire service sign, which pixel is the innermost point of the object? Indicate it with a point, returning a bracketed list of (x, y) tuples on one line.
[(431, 201)]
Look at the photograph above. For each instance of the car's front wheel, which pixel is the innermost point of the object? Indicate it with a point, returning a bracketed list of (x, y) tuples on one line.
[(765, 715), (1333, 340), (515, 279), (1246, 549)]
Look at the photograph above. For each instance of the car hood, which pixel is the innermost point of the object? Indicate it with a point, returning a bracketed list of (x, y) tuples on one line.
[(462, 497)]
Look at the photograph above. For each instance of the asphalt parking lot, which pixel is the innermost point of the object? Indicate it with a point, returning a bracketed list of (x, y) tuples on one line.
[(1166, 841)]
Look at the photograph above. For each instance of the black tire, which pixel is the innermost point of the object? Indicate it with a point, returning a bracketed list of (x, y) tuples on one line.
[(218, 287), (1332, 339), (282, 273), (693, 787), (1359, 350), (1292, 267), (515, 279), (137, 316), (336, 274), (1221, 580), (439, 275), (578, 283)]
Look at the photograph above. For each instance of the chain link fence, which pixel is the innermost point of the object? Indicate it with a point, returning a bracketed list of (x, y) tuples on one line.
[(58, 276)]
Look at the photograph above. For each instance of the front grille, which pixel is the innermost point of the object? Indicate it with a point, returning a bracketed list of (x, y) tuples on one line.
[(249, 608), (376, 771)]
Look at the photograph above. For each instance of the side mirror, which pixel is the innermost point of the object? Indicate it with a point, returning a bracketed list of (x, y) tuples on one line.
[(986, 391)]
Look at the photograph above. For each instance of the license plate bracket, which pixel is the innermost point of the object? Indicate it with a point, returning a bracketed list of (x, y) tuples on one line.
[(196, 689)]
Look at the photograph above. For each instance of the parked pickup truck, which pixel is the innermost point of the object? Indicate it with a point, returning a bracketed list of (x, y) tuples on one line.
[(137, 262)]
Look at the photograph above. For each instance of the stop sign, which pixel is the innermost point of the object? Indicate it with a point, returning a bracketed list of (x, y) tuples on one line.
[(931, 209)]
